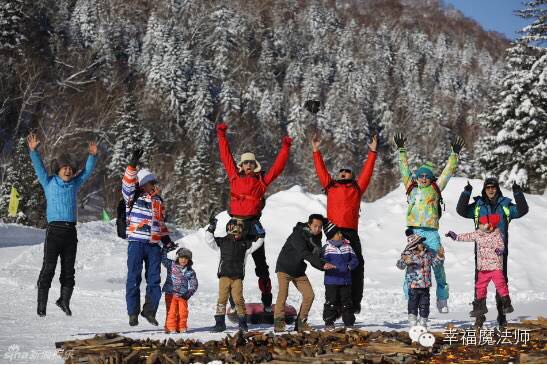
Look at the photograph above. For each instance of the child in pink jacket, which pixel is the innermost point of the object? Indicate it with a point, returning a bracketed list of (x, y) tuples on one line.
[(490, 247)]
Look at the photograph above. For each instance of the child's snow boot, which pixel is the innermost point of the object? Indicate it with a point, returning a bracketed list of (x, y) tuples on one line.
[(479, 321), (422, 322), (243, 324), (42, 301), (412, 320), (442, 305), (506, 305), (479, 308), (279, 324), (220, 324), (64, 300)]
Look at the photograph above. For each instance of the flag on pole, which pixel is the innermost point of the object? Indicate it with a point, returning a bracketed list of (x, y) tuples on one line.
[(13, 202), (105, 217)]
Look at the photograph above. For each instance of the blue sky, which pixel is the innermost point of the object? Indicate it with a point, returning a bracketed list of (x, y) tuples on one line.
[(493, 14)]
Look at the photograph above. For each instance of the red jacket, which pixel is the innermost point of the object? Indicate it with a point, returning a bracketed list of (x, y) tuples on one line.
[(344, 199), (247, 191)]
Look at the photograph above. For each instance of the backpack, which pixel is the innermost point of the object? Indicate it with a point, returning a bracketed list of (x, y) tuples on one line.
[(122, 215), (440, 202)]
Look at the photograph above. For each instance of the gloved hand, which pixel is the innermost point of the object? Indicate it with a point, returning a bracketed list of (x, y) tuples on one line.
[(222, 128), (135, 157), (212, 224), (399, 140), (168, 244), (516, 188), (458, 145), (451, 235), (468, 187), (286, 140)]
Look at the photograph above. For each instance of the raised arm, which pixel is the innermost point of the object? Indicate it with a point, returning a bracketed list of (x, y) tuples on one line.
[(368, 167), (521, 208), (41, 172), (129, 180), (224, 150), (448, 171), (467, 237), (210, 240), (89, 165), (324, 177), (463, 208), (280, 161)]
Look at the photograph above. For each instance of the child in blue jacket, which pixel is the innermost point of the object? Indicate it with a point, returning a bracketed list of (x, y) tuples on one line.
[(338, 251)]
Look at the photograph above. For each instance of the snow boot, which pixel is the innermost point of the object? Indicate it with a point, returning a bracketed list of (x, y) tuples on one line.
[(279, 324), (479, 321), (64, 300), (329, 326), (42, 301), (502, 319), (412, 320), (356, 309), (423, 322), (243, 324), (133, 320), (148, 313), (302, 325), (442, 305), (506, 305), (479, 308), (220, 323)]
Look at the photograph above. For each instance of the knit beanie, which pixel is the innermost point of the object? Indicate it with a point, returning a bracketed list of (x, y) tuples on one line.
[(426, 169), (184, 252), (412, 239), (63, 160), (329, 228), (145, 176)]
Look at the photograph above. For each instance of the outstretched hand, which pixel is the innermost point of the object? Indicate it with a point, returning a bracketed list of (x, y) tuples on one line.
[(458, 145), (452, 235), (373, 145), (92, 148), (315, 142), (32, 141), (135, 157), (516, 188), (399, 140)]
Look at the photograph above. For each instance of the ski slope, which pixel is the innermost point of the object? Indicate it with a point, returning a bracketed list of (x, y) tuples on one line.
[(98, 303)]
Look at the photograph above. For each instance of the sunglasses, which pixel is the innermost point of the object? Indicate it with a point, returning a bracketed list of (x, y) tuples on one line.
[(345, 170), (423, 176), (248, 162)]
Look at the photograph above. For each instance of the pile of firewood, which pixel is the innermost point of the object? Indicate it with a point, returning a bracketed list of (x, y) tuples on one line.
[(351, 346)]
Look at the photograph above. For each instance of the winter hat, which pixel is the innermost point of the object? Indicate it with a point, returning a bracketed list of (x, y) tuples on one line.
[(145, 176), (63, 160), (329, 228), (248, 156), (347, 168), (488, 182), (426, 169), (492, 219), (412, 239), (184, 252)]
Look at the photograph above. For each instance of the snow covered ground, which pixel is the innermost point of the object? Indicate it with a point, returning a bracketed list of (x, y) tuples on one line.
[(98, 302)]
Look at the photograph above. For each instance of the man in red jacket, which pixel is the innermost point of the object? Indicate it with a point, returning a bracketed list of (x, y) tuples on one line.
[(343, 202), (248, 184)]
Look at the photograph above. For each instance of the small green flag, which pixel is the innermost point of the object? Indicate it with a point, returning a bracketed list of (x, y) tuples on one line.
[(13, 202), (105, 217)]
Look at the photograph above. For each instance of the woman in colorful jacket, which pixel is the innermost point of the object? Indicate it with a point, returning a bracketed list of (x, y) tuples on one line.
[(424, 208), (248, 184)]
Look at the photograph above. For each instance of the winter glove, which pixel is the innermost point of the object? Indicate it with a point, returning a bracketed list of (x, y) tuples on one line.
[(458, 145), (168, 244), (468, 187), (516, 188), (135, 157), (312, 106), (222, 128), (499, 251), (287, 140), (399, 140), (451, 235), (212, 224)]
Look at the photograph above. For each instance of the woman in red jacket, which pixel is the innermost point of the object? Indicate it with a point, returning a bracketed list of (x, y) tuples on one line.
[(343, 202), (248, 184)]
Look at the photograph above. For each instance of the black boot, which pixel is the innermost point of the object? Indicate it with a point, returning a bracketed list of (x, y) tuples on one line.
[(506, 305), (133, 320), (42, 301), (266, 302), (479, 321), (243, 324), (64, 300), (479, 308), (148, 312), (220, 323), (502, 319)]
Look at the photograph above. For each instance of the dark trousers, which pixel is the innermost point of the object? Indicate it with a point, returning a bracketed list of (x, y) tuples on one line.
[(61, 241), (358, 274), (338, 297), (418, 299)]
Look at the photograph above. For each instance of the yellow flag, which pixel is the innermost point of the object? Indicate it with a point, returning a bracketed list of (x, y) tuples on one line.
[(13, 202)]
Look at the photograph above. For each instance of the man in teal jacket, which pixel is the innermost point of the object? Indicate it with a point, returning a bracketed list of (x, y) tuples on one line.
[(61, 192)]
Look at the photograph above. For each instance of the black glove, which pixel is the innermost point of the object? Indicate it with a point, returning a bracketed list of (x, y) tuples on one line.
[(458, 145), (135, 157), (212, 224), (516, 188), (468, 187), (168, 244), (399, 140)]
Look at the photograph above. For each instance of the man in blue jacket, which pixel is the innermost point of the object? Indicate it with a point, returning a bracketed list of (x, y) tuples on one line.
[(492, 201), (61, 192)]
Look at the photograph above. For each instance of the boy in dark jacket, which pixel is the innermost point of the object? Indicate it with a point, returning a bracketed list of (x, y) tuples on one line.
[(418, 261), (338, 252), (304, 244), (180, 285), (234, 249)]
